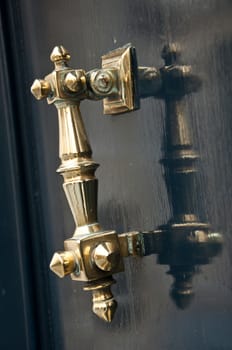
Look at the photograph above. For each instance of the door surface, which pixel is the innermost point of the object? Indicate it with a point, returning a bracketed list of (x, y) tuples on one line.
[(43, 312)]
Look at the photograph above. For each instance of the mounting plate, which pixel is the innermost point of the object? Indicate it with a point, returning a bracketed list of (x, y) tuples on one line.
[(126, 99)]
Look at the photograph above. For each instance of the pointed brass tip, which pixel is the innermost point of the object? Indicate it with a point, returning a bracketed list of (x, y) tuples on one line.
[(105, 309), (105, 256), (59, 53), (57, 265), (104, 304), (40, 89), (63, 263)]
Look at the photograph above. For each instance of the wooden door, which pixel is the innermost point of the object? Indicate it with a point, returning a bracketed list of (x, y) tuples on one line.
[(39, 310)]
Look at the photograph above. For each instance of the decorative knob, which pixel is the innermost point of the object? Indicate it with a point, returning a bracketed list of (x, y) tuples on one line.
[(105, 256), (75, 81), (63, 263), (59, 53), (41, 89), (104, 304)]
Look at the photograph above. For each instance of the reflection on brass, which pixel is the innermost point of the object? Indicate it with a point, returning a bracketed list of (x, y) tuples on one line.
[(92, 254)]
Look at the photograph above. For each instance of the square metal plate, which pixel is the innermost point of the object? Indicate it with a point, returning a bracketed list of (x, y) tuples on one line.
[(124, 61)]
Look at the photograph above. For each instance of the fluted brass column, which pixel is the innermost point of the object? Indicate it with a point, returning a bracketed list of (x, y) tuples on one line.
[(78, 169)]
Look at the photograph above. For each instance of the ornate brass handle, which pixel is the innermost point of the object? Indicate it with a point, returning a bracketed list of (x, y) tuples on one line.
[(93, 255)]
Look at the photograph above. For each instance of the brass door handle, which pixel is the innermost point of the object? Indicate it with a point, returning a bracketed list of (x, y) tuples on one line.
[(93, 255)]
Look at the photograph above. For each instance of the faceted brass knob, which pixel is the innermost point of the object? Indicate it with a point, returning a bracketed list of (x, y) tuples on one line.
[(63, 263), (105, 256), (41, 89), (75, 81), (59, 53)]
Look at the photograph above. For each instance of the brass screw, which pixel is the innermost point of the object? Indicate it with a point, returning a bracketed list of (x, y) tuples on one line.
[(41, 89), (102, 81)]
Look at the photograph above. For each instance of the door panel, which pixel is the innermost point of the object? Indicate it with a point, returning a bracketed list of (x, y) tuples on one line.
[(132, 191)]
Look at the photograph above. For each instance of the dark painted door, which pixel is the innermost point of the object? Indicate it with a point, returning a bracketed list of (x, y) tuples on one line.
[(39, 311)]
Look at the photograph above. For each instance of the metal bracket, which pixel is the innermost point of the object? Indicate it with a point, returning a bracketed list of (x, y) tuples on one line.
[(124, 61)]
